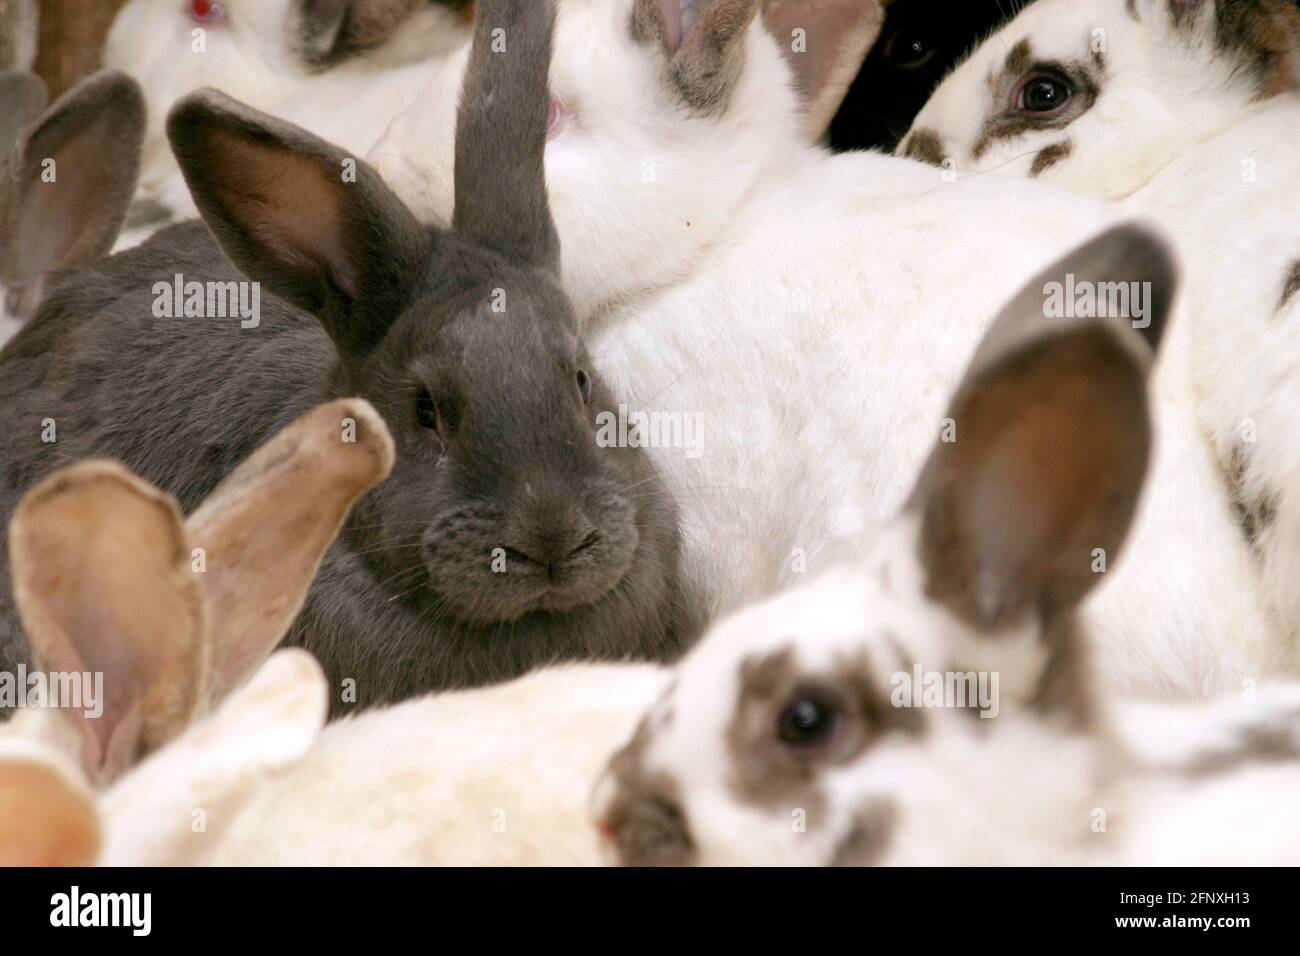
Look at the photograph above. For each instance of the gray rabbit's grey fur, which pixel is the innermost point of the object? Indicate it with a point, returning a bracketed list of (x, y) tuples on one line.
[(492, 410)]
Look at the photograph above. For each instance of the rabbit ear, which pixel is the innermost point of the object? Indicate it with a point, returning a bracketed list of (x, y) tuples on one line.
[(501, 199), (824, 43), (1047, 445), (330, 31), (22, 97), (46, 817), (316, 225), (702, 42), (103, 585), (264, 530), (266, 727), (70, 179)]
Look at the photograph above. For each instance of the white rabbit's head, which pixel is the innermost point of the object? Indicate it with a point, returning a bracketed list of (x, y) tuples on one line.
[(664, 115), (1098, 95), (265, 51), (858, 719), (142, 622)]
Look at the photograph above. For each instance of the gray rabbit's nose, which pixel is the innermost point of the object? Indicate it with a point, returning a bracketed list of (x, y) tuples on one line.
[(552, 544)]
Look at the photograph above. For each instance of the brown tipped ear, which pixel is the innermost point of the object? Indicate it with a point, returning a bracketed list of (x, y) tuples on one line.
[(331, 31), (265, 529), (70, 178), (703, 44), (1045, 454), (315, 224), (824, 43), (45, 818), (22, 97), (103, 584)]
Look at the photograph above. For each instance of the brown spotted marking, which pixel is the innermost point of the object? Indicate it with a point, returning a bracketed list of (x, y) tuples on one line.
[(1256, 513), (1264, 35), (926, 146), (1255, 744), (768, 774), (1005, 123), (1049, 156), (645, 819)]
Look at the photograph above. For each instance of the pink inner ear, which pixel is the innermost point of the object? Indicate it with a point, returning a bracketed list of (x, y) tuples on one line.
[(675, 21)]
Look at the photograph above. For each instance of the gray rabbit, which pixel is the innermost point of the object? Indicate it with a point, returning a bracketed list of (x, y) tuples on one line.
[(505, 537)]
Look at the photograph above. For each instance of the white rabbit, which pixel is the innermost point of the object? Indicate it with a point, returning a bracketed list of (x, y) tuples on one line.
[(317, 64), (175, 616), (934, 704), (493, 776), (69, 170), (807, 313), (1184, 113)]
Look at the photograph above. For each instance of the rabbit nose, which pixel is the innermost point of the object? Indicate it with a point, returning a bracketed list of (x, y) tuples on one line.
[(551, 544)]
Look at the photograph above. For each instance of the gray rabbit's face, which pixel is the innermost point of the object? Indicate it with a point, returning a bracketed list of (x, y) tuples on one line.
[(503, 495)]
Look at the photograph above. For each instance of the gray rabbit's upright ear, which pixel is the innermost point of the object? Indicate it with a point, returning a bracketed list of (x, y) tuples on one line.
[(1044, 454), (501, 199), (315, 224), (824, 43), (104, 585), (70, 179), (702, 44), (22, 97)]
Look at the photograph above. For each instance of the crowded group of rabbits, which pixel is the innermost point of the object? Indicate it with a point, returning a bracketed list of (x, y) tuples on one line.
[(592, 466)]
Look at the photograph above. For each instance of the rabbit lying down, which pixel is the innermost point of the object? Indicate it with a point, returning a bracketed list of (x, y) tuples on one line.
[(804, 730), (507, 536), (811, 312), (179, 616), (1186, 116), (318, 63)]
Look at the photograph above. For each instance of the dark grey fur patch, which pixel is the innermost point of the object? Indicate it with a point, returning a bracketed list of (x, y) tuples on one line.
[(147, 212), (1255, 744), (868, 839), (925, 145), (1291, 286), (1049, 156)]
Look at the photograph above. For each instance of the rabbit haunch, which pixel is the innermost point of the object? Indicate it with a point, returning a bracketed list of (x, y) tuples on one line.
[(492, 412), (814, 309), (1186, 118)]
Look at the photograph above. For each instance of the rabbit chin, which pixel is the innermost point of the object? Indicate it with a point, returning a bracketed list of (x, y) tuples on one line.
[(521, 588)]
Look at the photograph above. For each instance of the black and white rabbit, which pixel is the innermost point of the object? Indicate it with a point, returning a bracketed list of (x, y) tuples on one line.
[(506, 536)]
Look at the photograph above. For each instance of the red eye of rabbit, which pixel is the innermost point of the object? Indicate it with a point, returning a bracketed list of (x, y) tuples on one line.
[(206, 12), (1043, 94), (807, 721), (584, 386), (429, 415)]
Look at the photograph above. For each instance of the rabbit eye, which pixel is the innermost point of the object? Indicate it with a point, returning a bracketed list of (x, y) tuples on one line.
[(907, 50), (430, 417), (584, 387), (1043, 94), (207, 12), (806, 722)]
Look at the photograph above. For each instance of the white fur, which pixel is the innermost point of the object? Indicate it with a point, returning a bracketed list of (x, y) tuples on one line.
[(1178, 135), (816, 311), (250, 56), (494, 776)]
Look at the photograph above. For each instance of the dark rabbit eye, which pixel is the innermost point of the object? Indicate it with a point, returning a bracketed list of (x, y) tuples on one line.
[(907, 50), (584, 386), (207, 12), (1043, 94), (806, 721), (430, 417)]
